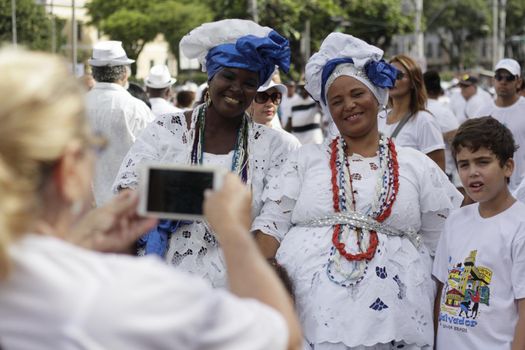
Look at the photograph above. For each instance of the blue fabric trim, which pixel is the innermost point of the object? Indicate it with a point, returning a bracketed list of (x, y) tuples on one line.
[(252, 53), (380, 73), (156, 240), (328, 70)]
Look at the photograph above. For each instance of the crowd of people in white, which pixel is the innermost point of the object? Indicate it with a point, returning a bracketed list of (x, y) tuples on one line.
[(369, 208)]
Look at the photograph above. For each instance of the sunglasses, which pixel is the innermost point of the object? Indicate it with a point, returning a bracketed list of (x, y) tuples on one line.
[(508, 78), (262, 97), (400, 75)]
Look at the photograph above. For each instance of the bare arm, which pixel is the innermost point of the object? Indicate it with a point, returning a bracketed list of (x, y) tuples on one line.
[(438, 156), (519, 333), (437, 305), (249, 275), (114, 227), (267, 244)]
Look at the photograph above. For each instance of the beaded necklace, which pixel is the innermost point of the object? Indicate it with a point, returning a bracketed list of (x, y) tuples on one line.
[(343, 194), (240, 151)]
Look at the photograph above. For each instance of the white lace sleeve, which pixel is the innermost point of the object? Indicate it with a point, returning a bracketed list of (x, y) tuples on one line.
[(163, 140), (279, 198), (437, 196)]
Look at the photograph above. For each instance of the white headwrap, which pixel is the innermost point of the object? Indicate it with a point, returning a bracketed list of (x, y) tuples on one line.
[(202, 39), (339, 45)]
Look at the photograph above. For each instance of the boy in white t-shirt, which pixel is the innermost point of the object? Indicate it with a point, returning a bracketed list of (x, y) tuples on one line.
[(480, 259)]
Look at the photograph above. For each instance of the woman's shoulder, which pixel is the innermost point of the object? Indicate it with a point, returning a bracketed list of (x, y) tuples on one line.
[(423, 116), (174, 122), (263, 133)]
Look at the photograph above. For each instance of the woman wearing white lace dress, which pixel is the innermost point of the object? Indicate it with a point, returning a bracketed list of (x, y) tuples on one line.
[(356, 220), (238, 56)]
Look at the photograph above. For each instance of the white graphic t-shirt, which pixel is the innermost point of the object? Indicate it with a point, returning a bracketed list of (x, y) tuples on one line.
[(481, 263)]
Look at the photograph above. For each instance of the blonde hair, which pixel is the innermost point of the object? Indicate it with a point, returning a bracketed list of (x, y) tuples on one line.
[(42, 110)]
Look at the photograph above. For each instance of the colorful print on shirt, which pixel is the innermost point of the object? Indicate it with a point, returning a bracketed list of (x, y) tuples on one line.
[(465, 295)]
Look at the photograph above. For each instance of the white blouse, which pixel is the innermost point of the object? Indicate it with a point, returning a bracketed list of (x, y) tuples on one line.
[(167, 140), (420, 132), (59, 296), (395, 298)]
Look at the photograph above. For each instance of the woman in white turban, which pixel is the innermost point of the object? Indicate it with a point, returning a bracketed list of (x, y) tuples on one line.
[(355, 221), (239, 56)]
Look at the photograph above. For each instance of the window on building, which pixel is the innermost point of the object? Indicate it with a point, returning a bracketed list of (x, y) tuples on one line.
[(430, 50), (80, 35), (151, 63)]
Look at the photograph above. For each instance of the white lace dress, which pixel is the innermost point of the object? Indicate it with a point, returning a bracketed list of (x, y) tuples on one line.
[(394, 300), (167, 140)]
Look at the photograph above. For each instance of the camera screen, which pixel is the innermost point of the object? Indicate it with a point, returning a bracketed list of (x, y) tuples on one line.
[(177, 191)]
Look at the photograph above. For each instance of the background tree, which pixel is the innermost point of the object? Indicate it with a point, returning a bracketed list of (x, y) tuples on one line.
[(33, 25), (176, 18), (458, 23), (376, 21), (128, 21), (136, 22), (515, 30)]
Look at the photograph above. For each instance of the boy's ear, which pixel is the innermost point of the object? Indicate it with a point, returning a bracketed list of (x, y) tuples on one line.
[(508, 167)]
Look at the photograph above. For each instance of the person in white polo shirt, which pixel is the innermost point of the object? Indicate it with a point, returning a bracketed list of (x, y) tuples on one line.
[(509, 109), (158, 86), (113, 112)]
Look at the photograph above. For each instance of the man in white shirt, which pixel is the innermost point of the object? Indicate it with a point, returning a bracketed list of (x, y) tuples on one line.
[(113, 112), (158, 86), (445, 118), (509, 109), (475, 97)]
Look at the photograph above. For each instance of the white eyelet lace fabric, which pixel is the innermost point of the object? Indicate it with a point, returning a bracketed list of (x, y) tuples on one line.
[(168, 140), (394, 300)]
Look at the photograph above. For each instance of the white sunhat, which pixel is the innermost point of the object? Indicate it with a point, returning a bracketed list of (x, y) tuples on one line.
[(109, 53), (159, 77), (510, 65), (271, 84)]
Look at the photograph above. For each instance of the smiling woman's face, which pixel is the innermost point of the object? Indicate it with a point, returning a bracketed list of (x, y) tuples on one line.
[(232, 90), (353, 107)]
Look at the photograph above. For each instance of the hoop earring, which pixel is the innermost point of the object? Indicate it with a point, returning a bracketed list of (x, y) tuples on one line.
[(207, 99)]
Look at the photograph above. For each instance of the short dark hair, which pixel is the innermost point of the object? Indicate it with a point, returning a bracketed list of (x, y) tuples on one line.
[(107, 74), (432, 82), (185, 98), (485, 132)]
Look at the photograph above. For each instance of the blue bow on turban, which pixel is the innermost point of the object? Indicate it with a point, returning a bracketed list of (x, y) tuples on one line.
[(380, 73), (256, 54)]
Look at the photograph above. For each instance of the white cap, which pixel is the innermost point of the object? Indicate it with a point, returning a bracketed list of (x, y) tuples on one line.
[(109, 53), (271, 84), (510, 65), (159, 77)]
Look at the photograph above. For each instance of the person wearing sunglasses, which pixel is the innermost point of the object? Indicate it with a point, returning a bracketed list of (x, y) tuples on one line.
[(263, 109), (408, 122), (509, 109), (475, 97)]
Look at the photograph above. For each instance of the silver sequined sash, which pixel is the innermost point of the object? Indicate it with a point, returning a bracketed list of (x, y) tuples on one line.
[(362, 221)]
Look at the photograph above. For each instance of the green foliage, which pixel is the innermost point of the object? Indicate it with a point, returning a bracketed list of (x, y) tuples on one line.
[(33, 25), (376, 21), (175, 19), (458, 23), (134, 28), (135, 22)]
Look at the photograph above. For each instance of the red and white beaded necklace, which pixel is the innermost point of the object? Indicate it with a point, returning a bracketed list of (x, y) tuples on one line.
[(343, 196)]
